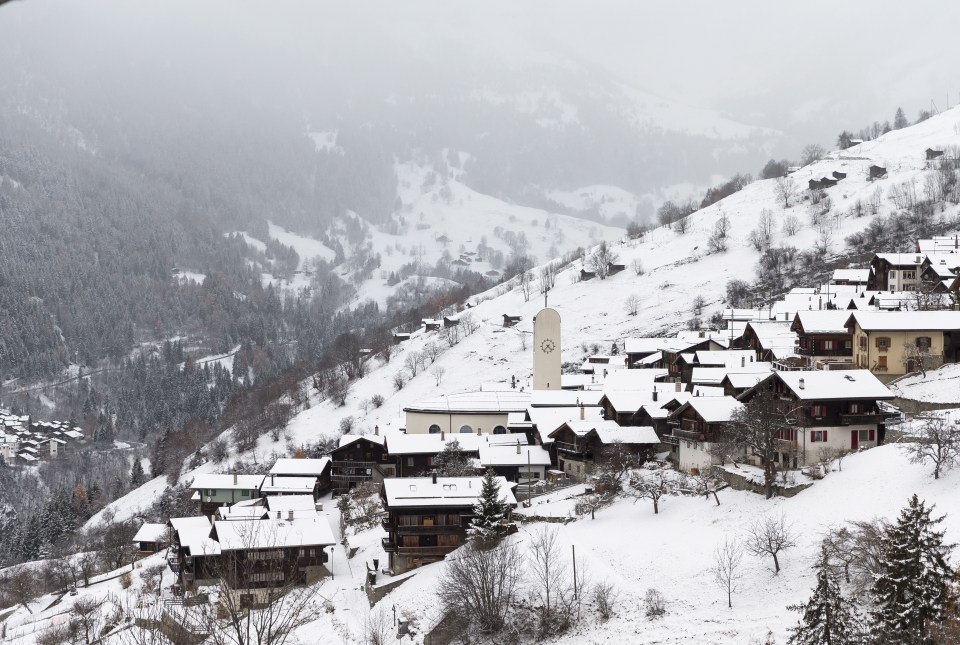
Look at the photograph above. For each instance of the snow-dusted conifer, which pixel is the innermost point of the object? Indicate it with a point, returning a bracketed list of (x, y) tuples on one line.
[(489, 513), (911, 591), (827, 618)]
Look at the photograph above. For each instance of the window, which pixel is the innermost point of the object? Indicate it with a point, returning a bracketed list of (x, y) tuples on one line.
[(267, 576), (893, 274), (818, 410), (883, 343), (244, 493), (410, 461), (866, 435), (856, 408), (882, 363), (848, 344), (923, 343), (817, 436), (863, 342), (271, 554), (465, 429), (828, 344), (434, 429), (499, 430)]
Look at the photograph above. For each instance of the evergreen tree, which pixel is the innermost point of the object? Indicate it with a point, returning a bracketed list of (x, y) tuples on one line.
[(136, 473), (452, 462), (911, 590), (827, 618), (489, 513), (900, 120)]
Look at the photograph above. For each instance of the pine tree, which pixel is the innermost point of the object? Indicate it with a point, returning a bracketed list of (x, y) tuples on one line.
[(900, 120), (827, 618), (489, 513), (911, 591), (136, 473)]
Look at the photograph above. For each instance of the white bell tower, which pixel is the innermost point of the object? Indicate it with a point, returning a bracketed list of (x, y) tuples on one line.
[(546, 350)]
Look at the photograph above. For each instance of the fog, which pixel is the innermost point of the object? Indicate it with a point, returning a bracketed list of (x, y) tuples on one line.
[(802, 71)]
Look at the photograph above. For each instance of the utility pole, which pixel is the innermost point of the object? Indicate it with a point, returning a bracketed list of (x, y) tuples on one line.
[(528, 477), (573, 549)]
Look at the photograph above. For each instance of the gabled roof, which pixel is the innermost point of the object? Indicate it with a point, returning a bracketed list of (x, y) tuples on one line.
[(151, 532), (827, 321), (906, 320), (609, 431), (632, 379), (507, 455), (273, 533), (284, 503), (474, 402), (744, 380), (301, 467), (647, 345), (901, 259), (462, 492), (825, 385), (431, 444), (728, 358), (226, 482), (287, 484), (347, 439), (712, 409), (564, 398), (852, 275), (193, 534), (715, 375)]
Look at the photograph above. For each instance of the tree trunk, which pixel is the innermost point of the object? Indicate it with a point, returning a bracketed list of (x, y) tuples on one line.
[(776, 564), (656, 508), (716, 498), (729, 599)]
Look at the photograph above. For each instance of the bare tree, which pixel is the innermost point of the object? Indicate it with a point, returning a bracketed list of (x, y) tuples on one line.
[(707, 482), (791, 224), (548, 276), (769, 535), (637, 266), (918, 356), (413, 362), (727, 558), (379, 627), (682, 225), (718, 239), (754, 429), (438, 373), (551, 581), (856, 552), (653, 486), (654, 603), (482, 584), (632, 304), (431, 351), (937, 441), (601, 259), (786, 190), (590, 504), (811, 153), (605, 597), (762, 236), (525, 279), (399, 380)]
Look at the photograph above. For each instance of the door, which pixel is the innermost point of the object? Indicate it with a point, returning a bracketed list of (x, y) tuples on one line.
[(854, 440)]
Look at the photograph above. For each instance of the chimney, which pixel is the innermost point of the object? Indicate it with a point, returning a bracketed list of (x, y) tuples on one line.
[(442, 434), (582, 414), (654, 394), (676, 386), (376, 431), (518, 447), (290, 515), (743, 361), (234, 476), (278, 514), (802, 384), (434, 476), (272, 479)]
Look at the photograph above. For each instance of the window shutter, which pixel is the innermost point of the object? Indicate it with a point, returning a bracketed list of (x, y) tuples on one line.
[(872, 435), (824, 435), (876, 342)]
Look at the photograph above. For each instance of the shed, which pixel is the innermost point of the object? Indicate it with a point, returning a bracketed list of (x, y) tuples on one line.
[(876, 172), (933, 154)]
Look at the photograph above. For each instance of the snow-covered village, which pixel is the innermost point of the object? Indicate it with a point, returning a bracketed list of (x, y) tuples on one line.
[(522, 355)]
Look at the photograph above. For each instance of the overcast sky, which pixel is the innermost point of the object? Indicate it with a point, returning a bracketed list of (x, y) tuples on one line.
[(808, 68)]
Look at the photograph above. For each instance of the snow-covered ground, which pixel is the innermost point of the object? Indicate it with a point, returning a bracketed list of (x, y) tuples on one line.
[(938, 386)]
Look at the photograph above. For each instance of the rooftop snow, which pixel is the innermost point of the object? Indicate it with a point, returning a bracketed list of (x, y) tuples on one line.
[(907, 320), (447, 491), (273, 533), (824, 385), (474, 402), (307, 467)]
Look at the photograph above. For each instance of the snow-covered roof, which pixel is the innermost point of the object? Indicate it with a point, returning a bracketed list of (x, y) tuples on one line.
[(284, 503), (901, 259), (151, 532), (827, 321), (774, 333), (624, 401), (304, 467), (561, 398), (713, 409), (210, 481), (347, 439), (193, 534), (515, 455), (549, 419), (743, 380), (287, 484), (609, 431), (907, 320), (728, 358), (632, 379), (431, 444), (447, 491), (650, 359), (474, 402), (238, 512), (824, 385), (851, 275), (273, 533), (647, 345), (715, 375)]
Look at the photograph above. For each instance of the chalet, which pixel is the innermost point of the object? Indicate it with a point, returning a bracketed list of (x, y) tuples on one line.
[(622, 406), (638, 349), (614, 268), (827, 182), (932, 154), (431, 324), (269, 554), (823, 339), (516, 462), (465, 413), (938, 271), (413, 455), (814, 184), (587, 275), (845, 277), (894, 271), (213, 491), (450, 321), (544, 421), (357, 460), (709, 377), (315, 469), (769, 340), (838, 175), (400, 336), (876, 172), (735, 384), (578, 443), (671, 354), (151, 538), (889, 344), (697, 424), (509, 320), (603, 364), (428, 517), (193, 555), (828, 412)]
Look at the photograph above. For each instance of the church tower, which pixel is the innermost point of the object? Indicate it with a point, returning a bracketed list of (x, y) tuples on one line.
[(546, 350)]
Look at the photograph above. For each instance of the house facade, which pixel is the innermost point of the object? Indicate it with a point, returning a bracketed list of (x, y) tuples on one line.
[(359, 459), (695, 427), (466, 413), (890, 344), (213, 491), (823, 339)]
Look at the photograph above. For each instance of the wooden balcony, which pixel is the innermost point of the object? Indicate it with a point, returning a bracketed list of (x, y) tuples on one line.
[(862, 417), (426, 550), (571, 448), (689, 435), (429, 529), (388, 545)]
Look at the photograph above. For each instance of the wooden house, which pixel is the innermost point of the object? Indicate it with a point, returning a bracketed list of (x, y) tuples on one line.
[(400, 337), (894, 271), (876, 172), (318, 470), (509, 320), (151, 538), (516, 462), (613, 268), (428, 517), (587, 275), (932, 154), (431, 324), (814, 184), (826, 412), (193, 555), (823, 338), (577, 444), (838, 175), (213, 491), (357, 460), (696, 425)]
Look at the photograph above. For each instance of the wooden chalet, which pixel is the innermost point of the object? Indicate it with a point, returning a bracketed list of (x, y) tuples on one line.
[(400, 337), (587, 275), (318, 470), (838, 175), (614, 268), (826, 412), (876, 172), (213, 491), (428, 517), (823, 337), (894, 271), (193, 556), (509, 320), (697, 424), (577, 444), (359, 459), (152, 537), (932, 154)]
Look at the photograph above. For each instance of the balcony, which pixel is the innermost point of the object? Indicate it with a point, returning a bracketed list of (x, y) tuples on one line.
[(426, 550), (862, 417), (388, 545), (689, 435), (570, 448), (388, 524), (428, 529), (810, 351)]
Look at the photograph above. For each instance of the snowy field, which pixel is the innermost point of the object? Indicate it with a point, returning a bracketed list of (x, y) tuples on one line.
[(938, 386)]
